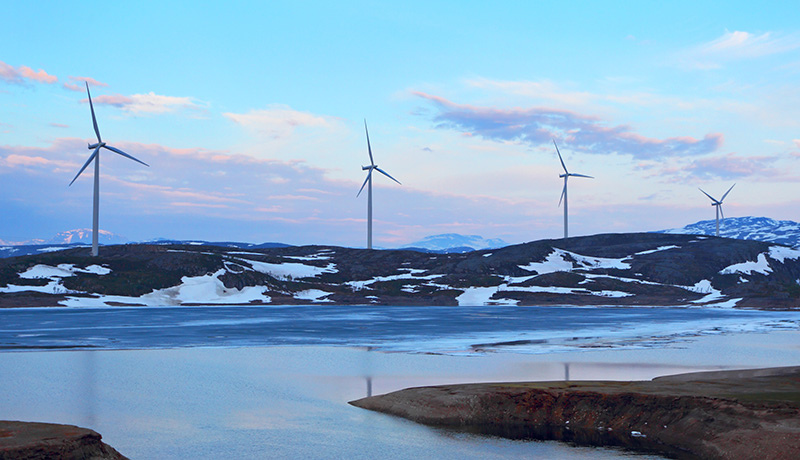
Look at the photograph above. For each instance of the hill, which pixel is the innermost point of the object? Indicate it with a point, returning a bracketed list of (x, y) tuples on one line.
[(786, 232), (610, 269)]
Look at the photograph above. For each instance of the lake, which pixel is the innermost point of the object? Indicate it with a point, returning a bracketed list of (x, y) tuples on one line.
[(273, 382)]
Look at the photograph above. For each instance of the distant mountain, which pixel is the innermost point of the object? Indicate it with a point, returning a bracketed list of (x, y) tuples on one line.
[(84, 235), (746, 228), (455, 243), (223, 244)]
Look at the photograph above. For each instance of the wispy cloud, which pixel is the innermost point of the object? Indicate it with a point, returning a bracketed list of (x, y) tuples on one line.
[(739, 45), (585, 133), (146, 104), (23, 74), (73, 83), (278, 121)]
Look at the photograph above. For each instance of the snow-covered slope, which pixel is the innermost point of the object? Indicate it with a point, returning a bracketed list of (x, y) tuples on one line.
[(612, 269), (747, 228), (454, 242)]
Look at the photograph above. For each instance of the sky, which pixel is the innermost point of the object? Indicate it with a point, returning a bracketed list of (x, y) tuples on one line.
[(251, 117)]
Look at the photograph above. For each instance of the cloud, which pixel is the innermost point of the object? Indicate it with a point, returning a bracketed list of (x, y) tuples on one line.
[(278, 121), (150, 103), (588, 134), (59, 125), (742, 45), (725, 167), (23, 74), (738, 45), (73, 85)]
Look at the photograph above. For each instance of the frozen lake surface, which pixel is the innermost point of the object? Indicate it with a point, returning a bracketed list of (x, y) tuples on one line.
[(448, 330), (273, 382)]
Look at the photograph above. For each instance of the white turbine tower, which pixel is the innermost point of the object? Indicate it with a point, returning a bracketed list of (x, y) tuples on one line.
[(96, 157), (372, 167), (718, 204), (566, 176)]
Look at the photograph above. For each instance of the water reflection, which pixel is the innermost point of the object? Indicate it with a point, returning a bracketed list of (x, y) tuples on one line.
[(87, 389)]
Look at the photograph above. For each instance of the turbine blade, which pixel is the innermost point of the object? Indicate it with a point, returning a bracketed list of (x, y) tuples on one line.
[(721, 212), (94, 119), (116, 150), (559, 157), (563, 192), (91, 157), (369, 147), (387, 175), (369, 174), (726, 193), (709, 196), (581, 175)]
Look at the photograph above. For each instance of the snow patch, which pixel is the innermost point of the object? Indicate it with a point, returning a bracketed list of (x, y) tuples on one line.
[(291, 270), (781, 253), (658, 249), (759, 266), (556, 262), (314, 295)]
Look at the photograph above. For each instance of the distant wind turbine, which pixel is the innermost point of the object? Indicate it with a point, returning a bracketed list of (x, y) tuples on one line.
[(372, 167), (718, 204), (96, 157), (563, 198)]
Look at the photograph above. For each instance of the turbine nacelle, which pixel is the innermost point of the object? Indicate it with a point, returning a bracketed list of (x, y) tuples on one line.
[(95, 146), (366, 168)]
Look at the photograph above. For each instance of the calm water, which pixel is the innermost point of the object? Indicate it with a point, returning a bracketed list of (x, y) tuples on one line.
[(273, 382)]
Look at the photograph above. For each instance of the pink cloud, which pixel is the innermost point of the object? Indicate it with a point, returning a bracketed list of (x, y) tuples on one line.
[(584, 133), (20, 75), (149, 103), (73, 85)]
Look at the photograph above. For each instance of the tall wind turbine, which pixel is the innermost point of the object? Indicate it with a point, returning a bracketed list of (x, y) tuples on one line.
[(372, 167), (96, 157), (563, 198), (718, 203)]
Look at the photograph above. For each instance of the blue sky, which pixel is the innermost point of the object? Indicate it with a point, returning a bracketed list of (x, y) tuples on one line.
[(251, 117)]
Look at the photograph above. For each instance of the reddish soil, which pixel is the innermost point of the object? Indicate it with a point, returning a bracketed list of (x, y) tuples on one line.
[(714, 415), (35, 441)]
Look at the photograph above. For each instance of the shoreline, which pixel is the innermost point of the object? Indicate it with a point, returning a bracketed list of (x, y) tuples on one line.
[(719, 414)]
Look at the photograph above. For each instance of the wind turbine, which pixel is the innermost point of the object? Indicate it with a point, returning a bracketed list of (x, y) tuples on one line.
[(372, 167), (718, 203), (563, 198), (96, 157)]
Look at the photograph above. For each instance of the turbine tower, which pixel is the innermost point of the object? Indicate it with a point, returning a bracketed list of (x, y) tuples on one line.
[(95, 156), (718, 203), (372, 167), (563, 198)]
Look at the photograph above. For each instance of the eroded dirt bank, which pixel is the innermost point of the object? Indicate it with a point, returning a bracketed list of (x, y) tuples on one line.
[(34, 441), (729, 414)]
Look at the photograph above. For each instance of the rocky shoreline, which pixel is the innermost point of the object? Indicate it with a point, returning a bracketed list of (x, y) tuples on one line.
[(33, 441), (714, 415)]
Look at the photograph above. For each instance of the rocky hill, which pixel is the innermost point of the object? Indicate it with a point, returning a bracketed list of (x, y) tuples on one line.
[(610, 269)]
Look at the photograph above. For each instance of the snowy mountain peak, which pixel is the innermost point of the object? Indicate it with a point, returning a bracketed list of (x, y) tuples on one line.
[(84, 235), (448, 241), (746, 228)]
